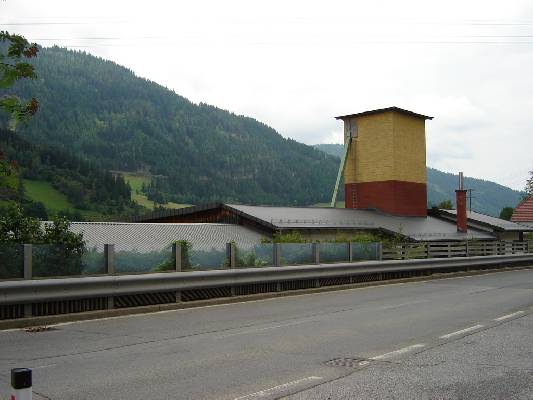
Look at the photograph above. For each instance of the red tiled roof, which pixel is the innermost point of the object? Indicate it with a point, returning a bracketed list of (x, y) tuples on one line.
[(524, 211)]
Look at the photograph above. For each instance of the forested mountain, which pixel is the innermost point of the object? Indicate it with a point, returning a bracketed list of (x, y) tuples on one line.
[(102, 112), (488, 197), (85, 185)]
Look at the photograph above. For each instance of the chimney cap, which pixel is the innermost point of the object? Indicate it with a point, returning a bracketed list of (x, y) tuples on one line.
[(382, 110)]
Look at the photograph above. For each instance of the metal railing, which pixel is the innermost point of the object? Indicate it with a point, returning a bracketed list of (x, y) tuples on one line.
[(49, 261), (42, 297)]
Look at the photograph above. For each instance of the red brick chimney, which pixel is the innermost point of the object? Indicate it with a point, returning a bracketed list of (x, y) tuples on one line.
[(460, 200)]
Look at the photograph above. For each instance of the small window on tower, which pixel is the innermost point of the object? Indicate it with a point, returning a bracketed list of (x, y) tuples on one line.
[(352, 129)]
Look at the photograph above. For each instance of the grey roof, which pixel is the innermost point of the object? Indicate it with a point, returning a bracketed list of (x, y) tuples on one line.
[(417, 228), (144, 237), (387, 109), (483, 221)]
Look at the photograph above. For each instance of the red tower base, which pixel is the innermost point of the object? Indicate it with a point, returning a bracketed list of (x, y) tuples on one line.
[(391, 197)]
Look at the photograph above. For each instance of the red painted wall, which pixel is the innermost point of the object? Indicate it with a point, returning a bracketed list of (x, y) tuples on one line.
[(391, 197)]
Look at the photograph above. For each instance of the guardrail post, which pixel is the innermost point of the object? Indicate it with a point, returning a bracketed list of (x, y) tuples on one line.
[(28, 272), (177, 256), (109, 256), (231, 254), (379, 251), (276, 256), (350, 256), (315, 249), (21, 383)]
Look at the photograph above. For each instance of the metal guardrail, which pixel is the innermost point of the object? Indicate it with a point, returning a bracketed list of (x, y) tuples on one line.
[(28, 294)]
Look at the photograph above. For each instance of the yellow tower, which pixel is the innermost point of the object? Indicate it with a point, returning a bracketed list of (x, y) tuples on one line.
[(385, 166)]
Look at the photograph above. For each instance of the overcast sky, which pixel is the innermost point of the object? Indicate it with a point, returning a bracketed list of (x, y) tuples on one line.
[(296, 64)]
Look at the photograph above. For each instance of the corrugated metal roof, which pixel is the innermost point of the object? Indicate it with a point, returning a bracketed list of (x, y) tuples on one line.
[(487, 220), (144, 237), (387, 109), (417, 228), (524, 211)]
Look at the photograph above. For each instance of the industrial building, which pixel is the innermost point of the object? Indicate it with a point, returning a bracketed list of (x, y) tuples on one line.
[(384, 171)]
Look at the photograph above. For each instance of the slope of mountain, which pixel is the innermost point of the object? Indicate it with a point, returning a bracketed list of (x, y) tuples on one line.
[(51, 178), (99, 110), (488, 197)]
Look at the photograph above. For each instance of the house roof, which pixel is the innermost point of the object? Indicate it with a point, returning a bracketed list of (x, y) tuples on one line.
[(417, 228), (486, 221), (523, 213), (382, 110), (145, 237), (287, 218)]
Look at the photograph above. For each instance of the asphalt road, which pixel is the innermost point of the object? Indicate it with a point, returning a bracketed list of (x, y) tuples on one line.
[(455, 338)]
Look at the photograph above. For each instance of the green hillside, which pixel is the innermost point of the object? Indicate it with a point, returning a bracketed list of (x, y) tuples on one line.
[(51, 178), (99, 110), (137, 181), (488, 197), (53, 199)]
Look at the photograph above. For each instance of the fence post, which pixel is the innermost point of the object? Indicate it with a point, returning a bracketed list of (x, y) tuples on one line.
[(28, 261), (379, 251), (350, 256), (428, 250), (109, 256), (467, 249), (230, 254), (28, 272), (21, 384), (276, 256), (315, 249), (177, 256)]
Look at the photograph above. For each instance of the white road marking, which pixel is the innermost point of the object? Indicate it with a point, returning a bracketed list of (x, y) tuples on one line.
[(272, 390), (44, 366), (409, 303), (508, 316), (469, 329), (398, 352), (256, 330)]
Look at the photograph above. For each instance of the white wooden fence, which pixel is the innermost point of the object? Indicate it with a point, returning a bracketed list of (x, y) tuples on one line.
[(405, 251)]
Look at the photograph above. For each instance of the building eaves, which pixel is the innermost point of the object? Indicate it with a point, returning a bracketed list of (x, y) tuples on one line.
[(382, 110), (167, 213)]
